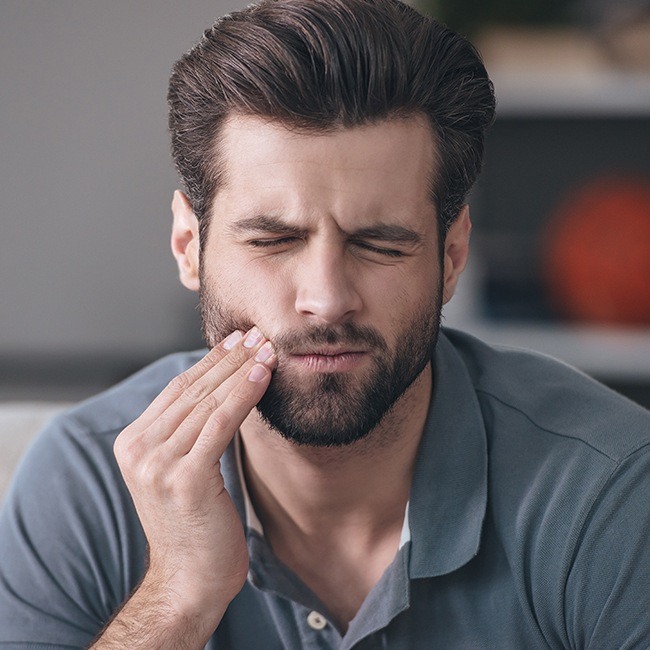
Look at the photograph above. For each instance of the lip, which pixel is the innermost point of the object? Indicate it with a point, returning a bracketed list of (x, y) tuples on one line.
[(329, 360), (327, 351)]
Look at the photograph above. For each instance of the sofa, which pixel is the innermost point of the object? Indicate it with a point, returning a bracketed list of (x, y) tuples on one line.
[(19, 423)]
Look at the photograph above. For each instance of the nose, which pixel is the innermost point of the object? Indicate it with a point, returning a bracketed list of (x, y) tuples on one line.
[(326, 290)]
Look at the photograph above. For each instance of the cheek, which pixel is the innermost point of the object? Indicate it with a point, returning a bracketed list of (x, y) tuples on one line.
[(256, 291), (405, 288), (393, 300)]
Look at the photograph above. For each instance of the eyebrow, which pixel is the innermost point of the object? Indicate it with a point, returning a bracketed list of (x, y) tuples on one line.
[(383, 232), (390, 233), (262, 223)]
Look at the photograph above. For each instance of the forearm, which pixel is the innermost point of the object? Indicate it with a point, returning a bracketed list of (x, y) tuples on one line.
[(161, 618)]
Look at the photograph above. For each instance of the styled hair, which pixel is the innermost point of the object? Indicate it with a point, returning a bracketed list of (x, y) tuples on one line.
[(320, 65)]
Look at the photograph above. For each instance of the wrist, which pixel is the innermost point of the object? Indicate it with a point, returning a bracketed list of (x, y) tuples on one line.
[(188, 597)]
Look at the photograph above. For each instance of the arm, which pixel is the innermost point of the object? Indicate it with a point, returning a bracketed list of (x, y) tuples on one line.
[(608, 589), (169, 458)]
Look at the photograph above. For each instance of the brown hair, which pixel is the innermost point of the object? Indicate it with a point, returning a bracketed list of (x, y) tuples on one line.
[(319, 65)]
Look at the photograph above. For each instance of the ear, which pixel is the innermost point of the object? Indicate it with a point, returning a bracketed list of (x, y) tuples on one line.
[(456, 252), (185, 241)]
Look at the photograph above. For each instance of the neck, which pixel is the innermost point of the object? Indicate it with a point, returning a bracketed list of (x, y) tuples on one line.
[(305, 493)]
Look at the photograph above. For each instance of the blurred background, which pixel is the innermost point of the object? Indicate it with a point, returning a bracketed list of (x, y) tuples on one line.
[(88, 287), (561, 242)]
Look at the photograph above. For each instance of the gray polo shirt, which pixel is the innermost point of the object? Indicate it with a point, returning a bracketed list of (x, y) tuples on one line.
[(528, 523)]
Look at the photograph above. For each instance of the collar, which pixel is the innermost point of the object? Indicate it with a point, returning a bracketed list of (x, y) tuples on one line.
[(449, 492), (250, 519)]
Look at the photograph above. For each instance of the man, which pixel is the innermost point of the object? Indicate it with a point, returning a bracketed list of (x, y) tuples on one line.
[(335, 472)]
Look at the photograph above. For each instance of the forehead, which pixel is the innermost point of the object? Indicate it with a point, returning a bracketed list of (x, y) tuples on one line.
[(381, 167)]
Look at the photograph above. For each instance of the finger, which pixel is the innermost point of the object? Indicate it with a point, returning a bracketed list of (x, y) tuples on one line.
[(189, 388), (265, 354), (186, 434), (228, 365), (221, 426), (179, 384), (200, 392)]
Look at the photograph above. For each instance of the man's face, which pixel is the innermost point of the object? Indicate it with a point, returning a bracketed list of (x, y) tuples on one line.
[(329, 244)]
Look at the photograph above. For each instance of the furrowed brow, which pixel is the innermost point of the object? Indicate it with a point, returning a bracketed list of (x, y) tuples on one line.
[(262, 224), (390, 233)]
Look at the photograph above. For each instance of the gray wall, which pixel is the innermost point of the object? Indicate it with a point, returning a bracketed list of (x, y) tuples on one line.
[(86, 178)]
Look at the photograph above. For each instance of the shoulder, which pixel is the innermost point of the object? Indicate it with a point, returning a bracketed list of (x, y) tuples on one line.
[(70, 470), (118, 406), (87, 430), (569, 482), (75, 448), (524, 391)]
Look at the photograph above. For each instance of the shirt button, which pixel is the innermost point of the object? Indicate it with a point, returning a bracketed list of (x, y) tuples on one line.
[(316, 621)]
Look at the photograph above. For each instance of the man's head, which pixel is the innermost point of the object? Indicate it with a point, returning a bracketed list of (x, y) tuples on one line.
[(319, 65), (329, 146)]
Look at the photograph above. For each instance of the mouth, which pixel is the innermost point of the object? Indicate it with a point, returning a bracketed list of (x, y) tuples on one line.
[(329, 360)]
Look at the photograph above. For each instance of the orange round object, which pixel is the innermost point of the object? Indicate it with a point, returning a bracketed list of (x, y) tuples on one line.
[(596, 253)]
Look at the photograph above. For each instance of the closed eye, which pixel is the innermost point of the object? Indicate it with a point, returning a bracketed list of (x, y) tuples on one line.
[(282, 241), (269, 243), (389, 252)]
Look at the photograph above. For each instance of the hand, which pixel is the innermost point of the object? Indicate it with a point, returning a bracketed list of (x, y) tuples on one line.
[(170, 460)]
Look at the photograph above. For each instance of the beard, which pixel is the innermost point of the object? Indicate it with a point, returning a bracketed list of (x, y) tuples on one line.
[(333, 409)]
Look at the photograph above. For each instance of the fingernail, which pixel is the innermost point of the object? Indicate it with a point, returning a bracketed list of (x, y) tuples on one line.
[(231, 340), (258, 373), (253, 338), (264, 352)]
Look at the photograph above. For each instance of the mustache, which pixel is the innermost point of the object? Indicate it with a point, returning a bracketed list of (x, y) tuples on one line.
[(293, 341), (217, 322)]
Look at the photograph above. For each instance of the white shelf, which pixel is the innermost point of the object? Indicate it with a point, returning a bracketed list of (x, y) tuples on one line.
[(614, 353)]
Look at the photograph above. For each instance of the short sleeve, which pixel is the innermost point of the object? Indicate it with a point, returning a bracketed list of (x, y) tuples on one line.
[(71, 546), (608, 589)]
